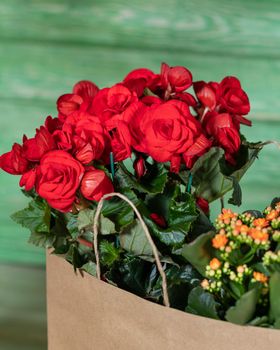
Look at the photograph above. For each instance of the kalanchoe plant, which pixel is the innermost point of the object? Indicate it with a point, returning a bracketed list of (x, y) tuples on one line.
[(169, 151), (243, 275)]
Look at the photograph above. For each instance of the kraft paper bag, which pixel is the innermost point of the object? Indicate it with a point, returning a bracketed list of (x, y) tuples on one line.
[(88, 314)]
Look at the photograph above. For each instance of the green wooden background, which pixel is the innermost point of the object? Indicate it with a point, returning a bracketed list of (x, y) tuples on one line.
[(48, 45)]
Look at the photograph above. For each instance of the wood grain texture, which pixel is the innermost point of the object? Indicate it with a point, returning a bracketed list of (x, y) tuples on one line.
[(240, 28), (42, 72), (48, 45), (23, 308)]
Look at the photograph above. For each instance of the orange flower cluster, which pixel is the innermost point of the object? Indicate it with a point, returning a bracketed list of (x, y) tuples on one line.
[(241, 239)]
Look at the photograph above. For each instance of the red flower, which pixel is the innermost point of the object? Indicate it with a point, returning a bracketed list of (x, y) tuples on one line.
[(14, 162), (186, 97), (121, 142), (139, 167), (139, 79), (110, 103), (200, 146), (28, 179), (58, 178), (158, 219), (63, 140), (67, 104), (176, 78), (206, 93), (88, 139), (86, 89), (203, 205), (53, 124), (232, 98), (164, 130), (224, 132), (36, 147), (95, 184)]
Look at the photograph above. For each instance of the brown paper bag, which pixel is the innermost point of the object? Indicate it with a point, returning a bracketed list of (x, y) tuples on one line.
[(88, 314)]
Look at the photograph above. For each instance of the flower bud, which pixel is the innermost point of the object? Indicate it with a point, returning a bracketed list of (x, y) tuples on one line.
[(139, 167), (95, 184)]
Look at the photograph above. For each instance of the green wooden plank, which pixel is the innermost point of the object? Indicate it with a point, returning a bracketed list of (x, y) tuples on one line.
[(226, 27), (23, 323), (43, 72)]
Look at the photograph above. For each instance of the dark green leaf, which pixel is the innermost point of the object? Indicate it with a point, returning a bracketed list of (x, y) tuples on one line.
[(180, 280), (85, 222), (244, 309), (74, 257), (171, 236), (199, 251), (42, 239), (182, 209), (274, 295), (256, 213), (153, 181), (108, 253), (201, 224), (277, 323), (202, 303), (130, 274), (134, 240), (212, 175), (120, 212), (90, 267), (259, 322), (72, 225), (36, 217), (275, 201), (236, 198)]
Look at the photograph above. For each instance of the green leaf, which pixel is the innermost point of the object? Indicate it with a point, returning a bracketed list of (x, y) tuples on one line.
[(212, 175), (119, 211), (36, 217), (275, 201), (202, 303), (171, 236), (259, 322), (236, 198), (90, 267), (130, 274), (42, 239), (199, 251), (180, 280), (108, 253), (274, 295), (72, 225), (153, 181), (74, 257), (134, 240), (85, 222), (182, 209), (277, 323), (244, 309)]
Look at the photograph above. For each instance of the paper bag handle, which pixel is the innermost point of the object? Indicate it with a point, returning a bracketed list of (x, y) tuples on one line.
[(147, 233)]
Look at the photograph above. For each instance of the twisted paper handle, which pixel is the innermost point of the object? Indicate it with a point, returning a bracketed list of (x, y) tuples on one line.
[(147, 233)]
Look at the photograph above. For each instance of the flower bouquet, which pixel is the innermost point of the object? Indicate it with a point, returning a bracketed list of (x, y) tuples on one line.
[(139, 163)]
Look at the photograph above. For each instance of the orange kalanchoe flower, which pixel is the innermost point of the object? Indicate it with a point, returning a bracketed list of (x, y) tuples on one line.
[(219, 241), (226, 215), (260, 277), (261, 222), (259, 235), (215, 264), (239, 227), (272, 215)]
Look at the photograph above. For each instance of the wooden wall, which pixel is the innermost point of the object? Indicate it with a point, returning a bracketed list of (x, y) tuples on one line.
[(47, 45)]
